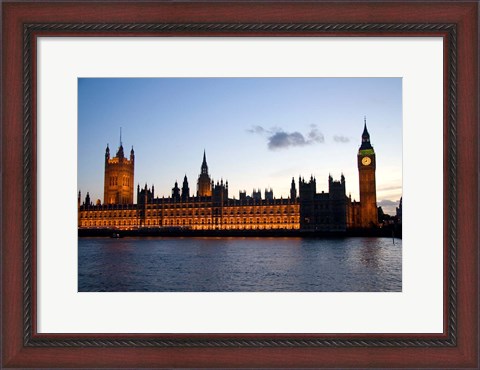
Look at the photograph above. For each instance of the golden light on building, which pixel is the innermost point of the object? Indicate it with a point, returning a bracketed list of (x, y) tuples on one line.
[(212, 208), (119, 177)]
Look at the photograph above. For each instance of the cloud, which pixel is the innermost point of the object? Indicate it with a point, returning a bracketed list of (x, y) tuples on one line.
[(389, 187), (387, 203), (284, 139), (280, 139), (315, 136), (256, 130), (341, 139), (388, 206)]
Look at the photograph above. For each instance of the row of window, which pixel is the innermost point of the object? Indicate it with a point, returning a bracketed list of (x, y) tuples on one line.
[(108, 223), (185, 222), (258, 211), (201, 220), (169, 205), (100, 215), (180, 205), (125, 180), (233, 212), (191, 221), (115, 199)]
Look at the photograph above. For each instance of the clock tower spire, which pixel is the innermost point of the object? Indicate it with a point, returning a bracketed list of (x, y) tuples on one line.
[(366, 174)]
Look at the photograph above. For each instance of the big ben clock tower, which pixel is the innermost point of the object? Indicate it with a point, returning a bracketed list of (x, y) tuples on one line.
[(366, 174)]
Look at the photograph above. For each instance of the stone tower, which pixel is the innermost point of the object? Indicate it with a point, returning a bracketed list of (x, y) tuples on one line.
[(185, 189), (204, 184), (366, 173), (119, 180), (293, 190), (307, 191)]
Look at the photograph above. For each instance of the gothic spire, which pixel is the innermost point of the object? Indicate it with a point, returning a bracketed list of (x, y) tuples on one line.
[(132, 155), (107, 155), (120, 153), (365, 137), (204, 163), (365, 131)]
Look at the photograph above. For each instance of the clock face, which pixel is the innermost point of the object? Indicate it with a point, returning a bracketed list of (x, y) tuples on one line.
[(366, 161)]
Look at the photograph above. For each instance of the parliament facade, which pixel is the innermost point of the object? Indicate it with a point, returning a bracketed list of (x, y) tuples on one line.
[(211, 208)]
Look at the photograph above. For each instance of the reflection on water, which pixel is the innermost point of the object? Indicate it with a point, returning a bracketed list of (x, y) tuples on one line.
[(239, 265)]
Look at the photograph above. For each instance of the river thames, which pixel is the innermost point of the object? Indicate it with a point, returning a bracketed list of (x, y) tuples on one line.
[(239, 265)]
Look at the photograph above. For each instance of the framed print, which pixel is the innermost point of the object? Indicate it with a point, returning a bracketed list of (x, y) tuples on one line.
[(133, 133)]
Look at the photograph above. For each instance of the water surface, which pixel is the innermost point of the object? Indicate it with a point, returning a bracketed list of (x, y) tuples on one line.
[(239, 265)]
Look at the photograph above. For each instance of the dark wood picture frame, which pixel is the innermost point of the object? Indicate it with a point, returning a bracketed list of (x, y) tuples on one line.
[(23, 22)]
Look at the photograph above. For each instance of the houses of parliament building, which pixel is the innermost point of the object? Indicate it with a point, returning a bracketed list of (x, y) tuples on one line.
[(211, 208)]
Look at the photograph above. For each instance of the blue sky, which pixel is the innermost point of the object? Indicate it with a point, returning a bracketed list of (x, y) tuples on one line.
[(257, 132)]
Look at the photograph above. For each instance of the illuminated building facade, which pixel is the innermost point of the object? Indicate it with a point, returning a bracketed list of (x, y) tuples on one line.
[(119, 177), (212, 208)]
